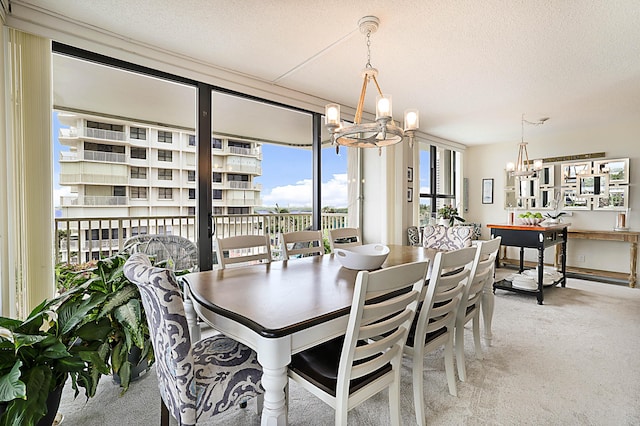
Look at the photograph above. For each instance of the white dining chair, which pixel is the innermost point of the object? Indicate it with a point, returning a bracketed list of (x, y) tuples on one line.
[(243, 249), (435, 322), (344, 237), (481, 276), (346, 371), (302, 243)]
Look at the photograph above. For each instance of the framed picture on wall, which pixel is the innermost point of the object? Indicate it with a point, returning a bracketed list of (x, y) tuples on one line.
[(409, 174), (487, 191), (410, 194)]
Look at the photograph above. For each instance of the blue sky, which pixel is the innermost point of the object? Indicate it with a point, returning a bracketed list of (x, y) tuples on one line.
[(286, 175)]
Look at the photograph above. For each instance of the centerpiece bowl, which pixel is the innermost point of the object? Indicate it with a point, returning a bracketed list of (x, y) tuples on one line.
[(365, 257)]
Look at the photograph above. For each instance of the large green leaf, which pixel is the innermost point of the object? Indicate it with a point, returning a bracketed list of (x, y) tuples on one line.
[(94, 330), (130, 316), (27, 340), (11, 386), (71, 315), (56, 350), (119, 298), (27, 412)]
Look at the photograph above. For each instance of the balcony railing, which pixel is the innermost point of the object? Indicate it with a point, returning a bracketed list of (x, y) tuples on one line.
[(89, 200), (104, 134), (109, 157), (81, 239), (86, 178)]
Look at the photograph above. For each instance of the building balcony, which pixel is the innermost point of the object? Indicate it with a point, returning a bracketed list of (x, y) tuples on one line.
[(87, 178), (110, 135), (106, 157), (94, 200)]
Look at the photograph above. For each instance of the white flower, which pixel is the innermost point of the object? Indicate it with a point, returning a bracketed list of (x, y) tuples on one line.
[(48, 320), (5, 333)]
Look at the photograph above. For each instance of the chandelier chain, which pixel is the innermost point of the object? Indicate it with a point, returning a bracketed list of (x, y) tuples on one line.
[(368, 65)]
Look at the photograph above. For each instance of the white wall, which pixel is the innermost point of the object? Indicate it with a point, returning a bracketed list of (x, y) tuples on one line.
[(616, 139)]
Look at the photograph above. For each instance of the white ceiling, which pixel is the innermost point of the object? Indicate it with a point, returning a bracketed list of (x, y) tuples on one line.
[(471, 67)]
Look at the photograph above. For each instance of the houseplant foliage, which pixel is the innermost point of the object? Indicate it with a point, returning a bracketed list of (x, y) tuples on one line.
[(56, 341), (449, 213), (117, 301)]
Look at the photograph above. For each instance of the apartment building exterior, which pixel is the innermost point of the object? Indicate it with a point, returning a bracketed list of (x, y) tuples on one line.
[(126, 169)]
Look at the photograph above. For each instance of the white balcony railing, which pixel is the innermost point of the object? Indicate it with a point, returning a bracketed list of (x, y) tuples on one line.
[(111, 135), (77, 178), (89, 200), (80, 239), (109, 157)]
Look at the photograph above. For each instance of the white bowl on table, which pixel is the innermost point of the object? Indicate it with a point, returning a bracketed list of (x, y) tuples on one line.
[(365, 257), (529, 220)]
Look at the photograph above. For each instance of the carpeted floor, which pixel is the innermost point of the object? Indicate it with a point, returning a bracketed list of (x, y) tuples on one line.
[(572, 361)]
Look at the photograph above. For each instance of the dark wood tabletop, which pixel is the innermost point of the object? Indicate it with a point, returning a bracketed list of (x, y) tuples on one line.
[(285, 297)]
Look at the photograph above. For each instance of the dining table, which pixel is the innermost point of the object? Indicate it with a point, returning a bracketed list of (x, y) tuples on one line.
[(281, 308)]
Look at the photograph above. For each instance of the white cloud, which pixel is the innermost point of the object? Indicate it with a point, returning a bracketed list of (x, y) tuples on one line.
[(63, 191), (334, 193)]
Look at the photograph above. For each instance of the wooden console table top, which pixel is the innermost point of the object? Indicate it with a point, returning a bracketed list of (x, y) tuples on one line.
[(587, 234)]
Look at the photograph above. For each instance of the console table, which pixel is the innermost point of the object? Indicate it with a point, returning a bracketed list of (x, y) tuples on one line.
[(630, 237), (537, 237)]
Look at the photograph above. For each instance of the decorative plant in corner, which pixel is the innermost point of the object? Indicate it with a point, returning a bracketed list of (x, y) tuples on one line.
[(37, 355), (450, 213)]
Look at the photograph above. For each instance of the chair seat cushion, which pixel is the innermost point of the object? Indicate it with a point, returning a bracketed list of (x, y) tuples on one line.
[(430, 336), (319, 365), (226, 372)]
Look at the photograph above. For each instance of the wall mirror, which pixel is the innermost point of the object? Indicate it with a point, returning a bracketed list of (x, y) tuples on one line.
[(573, 201), (510, 200), (527, 187), (571, 171), (590, 185), (618, 169), (616, 199), (545, 175), (545, 199)]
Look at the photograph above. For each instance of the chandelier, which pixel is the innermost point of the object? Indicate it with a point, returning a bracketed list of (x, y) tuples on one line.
[(523, 167), (384, 131)]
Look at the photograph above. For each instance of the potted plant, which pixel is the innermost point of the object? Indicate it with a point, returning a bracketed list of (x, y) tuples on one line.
[(118, 301), (38, 354), (448, 215)]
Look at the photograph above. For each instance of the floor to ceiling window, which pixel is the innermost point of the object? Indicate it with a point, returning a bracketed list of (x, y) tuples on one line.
[(439, 180), (129, 145)]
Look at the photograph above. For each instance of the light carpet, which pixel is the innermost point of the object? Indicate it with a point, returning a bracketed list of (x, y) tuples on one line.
[(572, 361)]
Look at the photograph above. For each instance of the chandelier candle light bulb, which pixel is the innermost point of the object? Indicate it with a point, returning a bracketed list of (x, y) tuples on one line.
[(383, 107), (411, 120)]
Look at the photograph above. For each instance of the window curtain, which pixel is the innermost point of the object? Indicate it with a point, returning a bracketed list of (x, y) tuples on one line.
[(27, 201), (354, 200)]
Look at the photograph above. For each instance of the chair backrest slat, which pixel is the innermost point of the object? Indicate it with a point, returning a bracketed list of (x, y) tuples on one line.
[(243, 249), (302, 243), (344, 237), (378, 326)]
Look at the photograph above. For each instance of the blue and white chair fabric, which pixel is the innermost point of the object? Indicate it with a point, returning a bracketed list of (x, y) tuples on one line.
[(196, 381), (446, 237)]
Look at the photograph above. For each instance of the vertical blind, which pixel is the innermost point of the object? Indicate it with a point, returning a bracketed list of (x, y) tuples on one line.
[(29, 163)]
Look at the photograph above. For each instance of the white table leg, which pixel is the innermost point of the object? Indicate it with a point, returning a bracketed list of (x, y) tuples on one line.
[(274, 355), (486, 303), (190, 314)]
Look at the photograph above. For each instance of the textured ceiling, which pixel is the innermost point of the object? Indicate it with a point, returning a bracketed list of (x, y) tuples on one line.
[(471, 67)]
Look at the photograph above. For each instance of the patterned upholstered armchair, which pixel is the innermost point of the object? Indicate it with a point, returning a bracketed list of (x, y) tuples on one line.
[(446, 237), (199, 381)]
